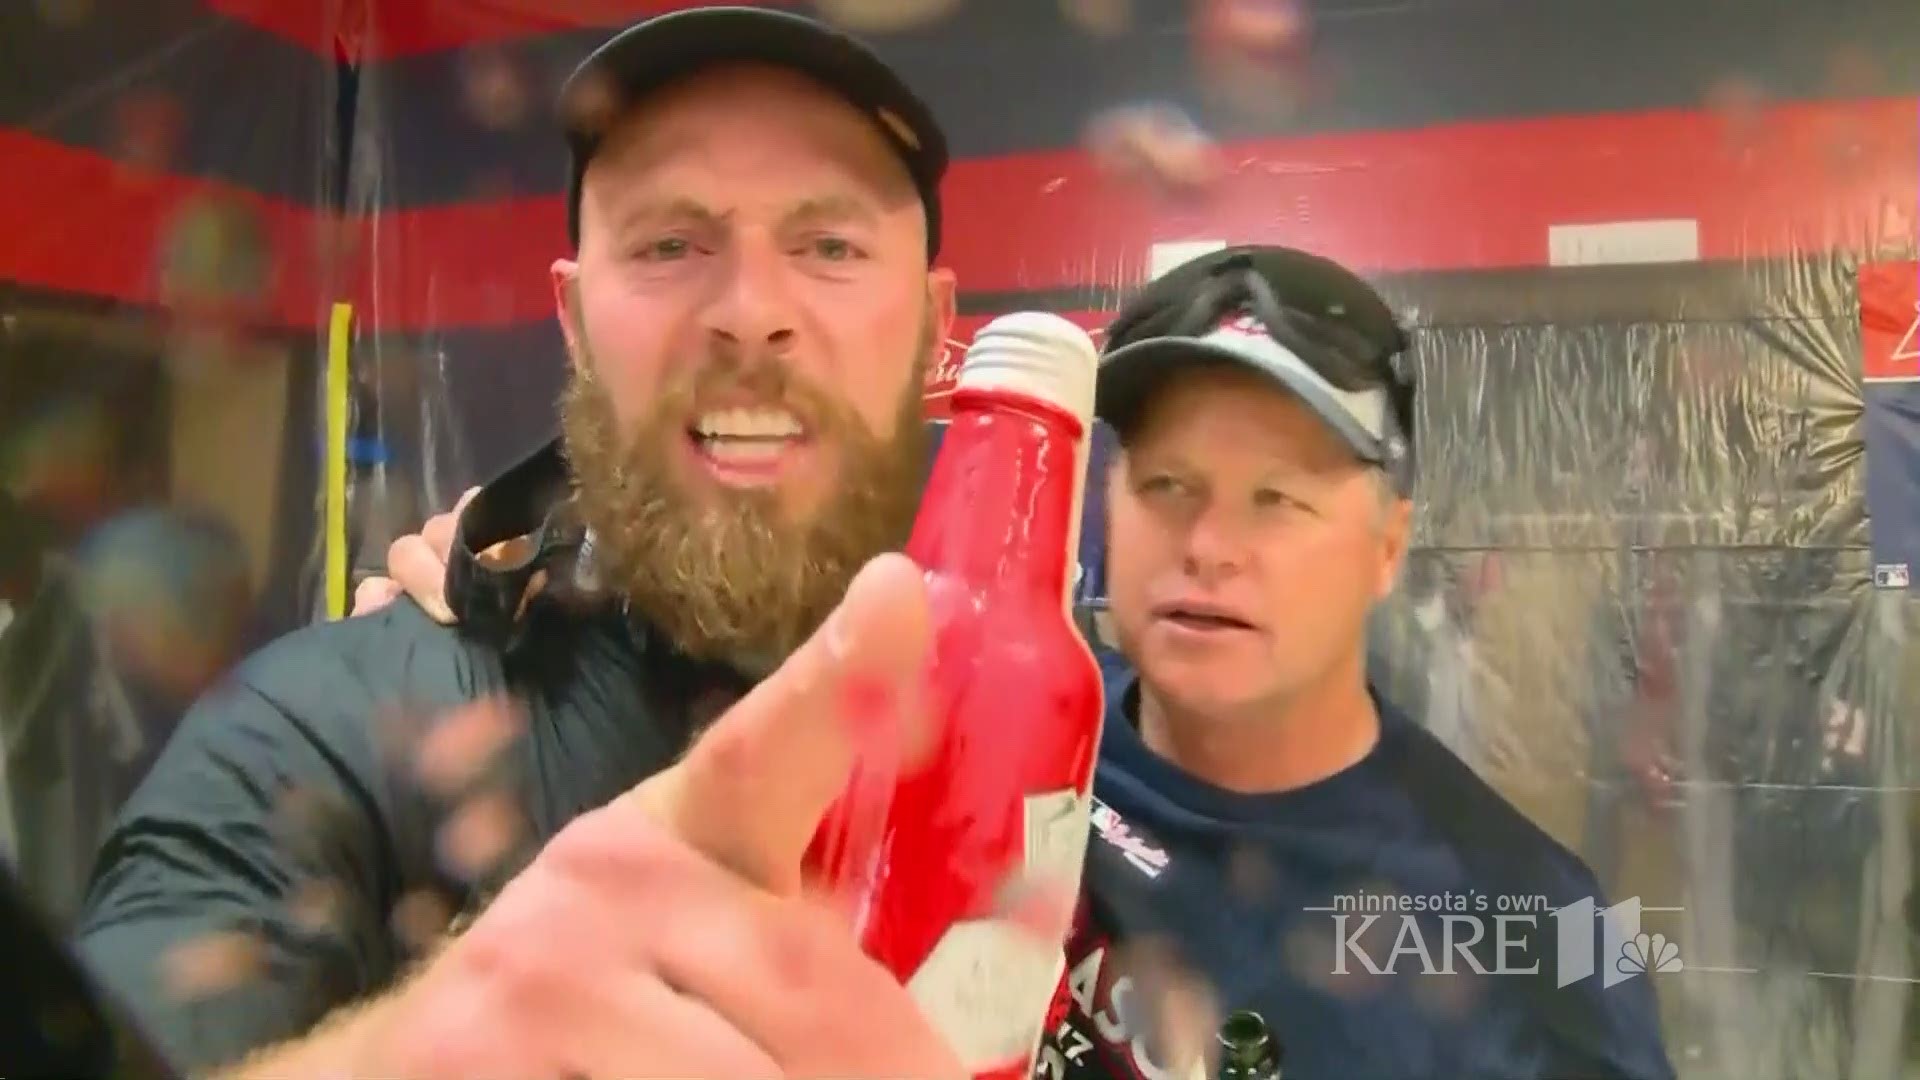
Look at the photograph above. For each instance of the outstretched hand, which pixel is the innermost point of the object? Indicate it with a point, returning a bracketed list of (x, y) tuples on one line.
[(670, 933)]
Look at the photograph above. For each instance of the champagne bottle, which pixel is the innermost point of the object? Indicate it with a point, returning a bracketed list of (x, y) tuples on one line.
[(1248, 1050)]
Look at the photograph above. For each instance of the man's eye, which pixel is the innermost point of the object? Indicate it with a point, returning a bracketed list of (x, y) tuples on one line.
[(1161, 485), (1275, 499), (665, 249), (834, 249)]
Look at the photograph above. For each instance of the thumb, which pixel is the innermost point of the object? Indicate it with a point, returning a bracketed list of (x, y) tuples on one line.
[(373, 594), (753, 790)]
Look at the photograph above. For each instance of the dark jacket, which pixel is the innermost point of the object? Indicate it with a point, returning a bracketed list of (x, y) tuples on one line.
[(286, 819)]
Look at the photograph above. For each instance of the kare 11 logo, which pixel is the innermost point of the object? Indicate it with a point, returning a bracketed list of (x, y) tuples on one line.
[(1485, 934)]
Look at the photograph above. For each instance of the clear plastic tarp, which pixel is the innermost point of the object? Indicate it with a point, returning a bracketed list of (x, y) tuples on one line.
[(161, 281), (1658, 258)]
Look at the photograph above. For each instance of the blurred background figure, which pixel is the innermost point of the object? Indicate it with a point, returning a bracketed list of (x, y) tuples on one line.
[(123, 594), (885, 16), (1154, 147), (1256, 54), (115, 617)]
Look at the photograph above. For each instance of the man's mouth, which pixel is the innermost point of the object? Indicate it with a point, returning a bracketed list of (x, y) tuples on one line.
[(746, 445), (1201, 618)]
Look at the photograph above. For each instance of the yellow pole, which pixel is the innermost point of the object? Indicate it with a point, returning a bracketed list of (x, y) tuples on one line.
[(336, 462)]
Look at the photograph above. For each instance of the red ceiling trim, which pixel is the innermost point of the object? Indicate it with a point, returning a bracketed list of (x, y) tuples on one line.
[(1817, 177), (376, 30)]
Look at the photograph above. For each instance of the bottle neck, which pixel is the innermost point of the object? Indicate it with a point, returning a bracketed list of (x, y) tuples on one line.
[(999, 508)]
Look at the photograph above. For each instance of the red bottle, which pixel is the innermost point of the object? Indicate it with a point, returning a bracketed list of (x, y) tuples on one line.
[(930, 856)]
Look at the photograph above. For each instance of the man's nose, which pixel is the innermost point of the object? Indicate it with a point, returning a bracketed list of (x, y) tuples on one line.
[(753, 308), (1215, 548)]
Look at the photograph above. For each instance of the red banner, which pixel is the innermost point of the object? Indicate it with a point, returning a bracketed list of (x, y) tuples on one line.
[(1890, 322)]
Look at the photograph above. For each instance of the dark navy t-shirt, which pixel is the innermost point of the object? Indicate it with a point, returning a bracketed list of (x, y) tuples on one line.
[(1265, 900)]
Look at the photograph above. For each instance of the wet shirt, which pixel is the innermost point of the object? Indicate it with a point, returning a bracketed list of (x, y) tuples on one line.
[(1342, 912)]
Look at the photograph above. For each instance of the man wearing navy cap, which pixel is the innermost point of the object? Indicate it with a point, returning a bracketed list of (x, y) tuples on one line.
[(1284, 839), (749, 311)]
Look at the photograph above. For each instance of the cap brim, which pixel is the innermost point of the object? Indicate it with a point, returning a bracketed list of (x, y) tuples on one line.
[(1132, 375), (668, 48)]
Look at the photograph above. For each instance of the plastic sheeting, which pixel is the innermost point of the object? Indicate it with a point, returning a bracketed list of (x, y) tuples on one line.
[(1647, 249), (1645, 610), (159, 286)]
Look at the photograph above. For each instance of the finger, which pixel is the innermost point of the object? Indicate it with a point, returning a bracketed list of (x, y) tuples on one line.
[(1041, 904), (1188, 1012), (752, 792), (422, 574), (373, 594), (438, 534), (439, 530), (465, 744)]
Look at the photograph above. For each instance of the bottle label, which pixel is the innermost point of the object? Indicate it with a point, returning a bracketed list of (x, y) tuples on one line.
[(987, 984)]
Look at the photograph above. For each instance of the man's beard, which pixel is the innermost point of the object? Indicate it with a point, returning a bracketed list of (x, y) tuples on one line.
[(724, 574)]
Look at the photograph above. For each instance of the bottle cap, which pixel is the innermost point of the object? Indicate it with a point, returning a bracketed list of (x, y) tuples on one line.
[(1036, 354)]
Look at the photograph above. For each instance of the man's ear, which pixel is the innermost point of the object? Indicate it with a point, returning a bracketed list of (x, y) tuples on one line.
[(566, 304), (1396, 534)]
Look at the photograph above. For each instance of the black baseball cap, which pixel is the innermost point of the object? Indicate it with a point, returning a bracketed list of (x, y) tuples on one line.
[(1313, 327), (652, 55)]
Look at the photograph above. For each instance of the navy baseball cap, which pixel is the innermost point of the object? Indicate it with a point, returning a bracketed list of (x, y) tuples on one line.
[(652, 55), (1308, 324)]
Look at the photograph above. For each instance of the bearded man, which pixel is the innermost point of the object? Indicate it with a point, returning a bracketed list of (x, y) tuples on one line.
[(749, 314)]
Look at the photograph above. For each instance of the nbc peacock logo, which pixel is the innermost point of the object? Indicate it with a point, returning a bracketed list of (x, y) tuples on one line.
[(1649, 954)]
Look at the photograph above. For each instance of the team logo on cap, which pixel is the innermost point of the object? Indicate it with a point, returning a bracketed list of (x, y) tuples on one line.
[(1246, 325)]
